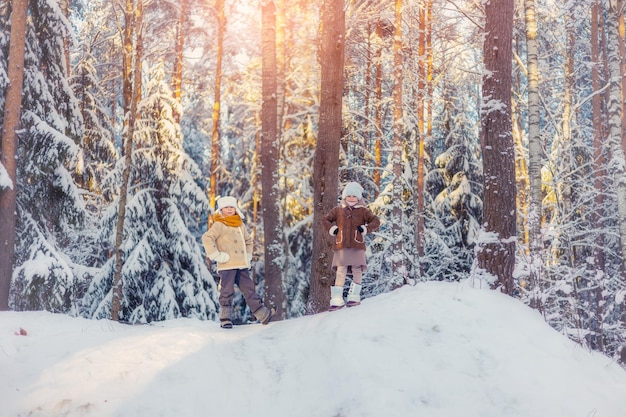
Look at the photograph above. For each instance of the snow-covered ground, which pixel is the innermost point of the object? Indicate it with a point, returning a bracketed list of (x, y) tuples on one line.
[(433, 350)]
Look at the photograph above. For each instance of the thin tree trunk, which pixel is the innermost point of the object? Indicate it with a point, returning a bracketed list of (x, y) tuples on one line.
[(599, 132), (496, 255), (534, 154), (326, 160), (378, 91), (622, 52), (8, 156), (614, 110), (255, 183), (566, 144), (398, 266), (177, 75), (215, 131), (64, 5), (429, 68), (134, 18), (270, 199), (599, 160), (421, 137)]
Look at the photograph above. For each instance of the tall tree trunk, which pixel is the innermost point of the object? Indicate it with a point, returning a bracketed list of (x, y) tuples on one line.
[(422, 93), (270, 199), (615, 117), (599, 132), (534, 153), (599, 162), (614, 110), (378, 106), (566, 144), (398, 266), (177, 75), (8, 154), (622, 53), (64, 5), (215, 131), (134, 20), (326, 160), (496, 254), (429, 68)]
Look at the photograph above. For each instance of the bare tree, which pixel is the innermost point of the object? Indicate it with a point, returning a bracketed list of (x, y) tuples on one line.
[(496, 254), (614, 107), (215, 131), (8, 157), (423, 91), (177, 73), (398, 263), (534, 150), (132, 85), (326, 160), (270, 199)]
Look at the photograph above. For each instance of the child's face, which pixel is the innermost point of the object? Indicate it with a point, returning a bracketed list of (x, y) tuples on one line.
[(229, 211), (352, 200)]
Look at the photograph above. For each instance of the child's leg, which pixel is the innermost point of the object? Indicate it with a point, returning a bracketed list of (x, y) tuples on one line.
[(336, 291), (357, 274), (227, 294), (340, 277), (354, 293), (246, 286)]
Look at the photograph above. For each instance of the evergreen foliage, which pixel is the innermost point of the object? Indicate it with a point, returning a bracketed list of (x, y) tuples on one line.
[(165, 275), (50, 208)]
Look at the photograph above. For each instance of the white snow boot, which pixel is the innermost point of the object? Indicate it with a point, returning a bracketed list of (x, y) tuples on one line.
[(336, 298), (354, 295)]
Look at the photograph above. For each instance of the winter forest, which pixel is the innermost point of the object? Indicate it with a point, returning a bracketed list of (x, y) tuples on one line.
[(489, 138)]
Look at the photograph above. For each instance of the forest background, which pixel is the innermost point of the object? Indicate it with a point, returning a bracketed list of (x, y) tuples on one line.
[(135, 115)]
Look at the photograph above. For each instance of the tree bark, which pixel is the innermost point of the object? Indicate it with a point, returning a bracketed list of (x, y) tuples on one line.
[(496, 253), (215, 131), (615, 121), (398, 259), (134, 18), (326, 159), (270, 199), (534, 153), (378, 94), (177, 75), (424, 68), (8, 156)]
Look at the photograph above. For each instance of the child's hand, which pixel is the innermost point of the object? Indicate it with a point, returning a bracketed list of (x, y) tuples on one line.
[(220, 257), (363, 230), (333, 231)]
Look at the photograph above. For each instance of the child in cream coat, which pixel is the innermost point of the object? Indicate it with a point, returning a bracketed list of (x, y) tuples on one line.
[(228, 243)]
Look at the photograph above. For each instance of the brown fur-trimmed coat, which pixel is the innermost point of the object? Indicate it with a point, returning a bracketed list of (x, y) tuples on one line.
[(348, 219)]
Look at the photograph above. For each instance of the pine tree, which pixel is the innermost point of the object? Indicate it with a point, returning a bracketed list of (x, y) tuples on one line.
[(164, 272), (50, 208)]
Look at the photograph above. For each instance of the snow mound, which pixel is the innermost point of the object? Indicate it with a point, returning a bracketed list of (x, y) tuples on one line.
[(435, 350)]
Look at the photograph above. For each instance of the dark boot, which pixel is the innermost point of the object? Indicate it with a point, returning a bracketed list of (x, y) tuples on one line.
[(225, 317), (264, 314)]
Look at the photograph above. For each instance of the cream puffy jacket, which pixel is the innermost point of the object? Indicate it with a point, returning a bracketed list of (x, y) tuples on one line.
[(233, 240)]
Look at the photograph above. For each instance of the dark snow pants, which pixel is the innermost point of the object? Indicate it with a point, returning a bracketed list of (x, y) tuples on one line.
[(241, 277)]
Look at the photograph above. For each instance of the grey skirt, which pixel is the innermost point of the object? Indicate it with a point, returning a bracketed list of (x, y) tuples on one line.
[(349, 257)]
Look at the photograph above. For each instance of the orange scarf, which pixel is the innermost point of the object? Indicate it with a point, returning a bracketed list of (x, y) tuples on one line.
[(232, 221)]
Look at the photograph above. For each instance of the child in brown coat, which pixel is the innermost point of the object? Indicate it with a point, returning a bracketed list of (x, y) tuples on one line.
[(228, 243), (349, 223)]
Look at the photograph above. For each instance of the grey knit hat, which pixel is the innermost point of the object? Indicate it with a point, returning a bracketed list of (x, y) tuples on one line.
[(353, 189)]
